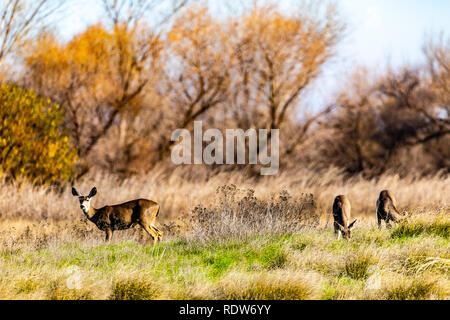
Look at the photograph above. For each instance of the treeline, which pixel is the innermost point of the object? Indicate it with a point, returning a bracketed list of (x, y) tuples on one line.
[(122, 86)]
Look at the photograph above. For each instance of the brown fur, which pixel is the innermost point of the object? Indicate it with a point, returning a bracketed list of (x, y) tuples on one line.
[(123, 216), (387, 208), (342, 216)]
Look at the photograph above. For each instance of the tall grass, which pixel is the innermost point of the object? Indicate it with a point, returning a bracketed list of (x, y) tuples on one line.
[(179, 192), (228, 237)]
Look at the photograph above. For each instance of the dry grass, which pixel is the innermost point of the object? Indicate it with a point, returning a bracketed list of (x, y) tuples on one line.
[(229, 238), (179, 193)]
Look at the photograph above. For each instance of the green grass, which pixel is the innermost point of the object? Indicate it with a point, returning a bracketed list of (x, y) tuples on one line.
[(438, 227), (308, 265)]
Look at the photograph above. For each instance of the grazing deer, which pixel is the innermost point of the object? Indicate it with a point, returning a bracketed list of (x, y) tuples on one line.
[(341, 215), (121, 216), (387, 209)]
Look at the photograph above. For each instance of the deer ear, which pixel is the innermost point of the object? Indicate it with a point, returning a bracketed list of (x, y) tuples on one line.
[(352, 224), (93, 192), (75, 192), (339, 225)]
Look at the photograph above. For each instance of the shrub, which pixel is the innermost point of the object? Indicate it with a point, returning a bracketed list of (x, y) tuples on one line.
[(239, 213), (278, 286), (330, 293), (59, 291), (418, 289), (31, 143), (134, 289), (356, 268), (26, 286)]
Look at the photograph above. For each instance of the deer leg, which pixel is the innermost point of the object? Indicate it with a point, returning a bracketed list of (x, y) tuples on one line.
[(379, 222), (388, 223), (151, 233), (109, 235), (159, 232), (336, 230)]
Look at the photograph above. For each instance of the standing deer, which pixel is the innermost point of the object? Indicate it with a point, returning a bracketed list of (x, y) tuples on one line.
[(341, 215), (121, 216), (387, 209)]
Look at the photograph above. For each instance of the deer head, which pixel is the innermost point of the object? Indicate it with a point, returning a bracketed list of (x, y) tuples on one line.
[(85, 201), (346, 231)]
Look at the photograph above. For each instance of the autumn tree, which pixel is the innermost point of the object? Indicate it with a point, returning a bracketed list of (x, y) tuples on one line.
[(196, 77), (437, 52), (103, 79), (277, 57), (437, 83), (398, 120), (247, 71), (95, 77), (31, 142), (345, 137)]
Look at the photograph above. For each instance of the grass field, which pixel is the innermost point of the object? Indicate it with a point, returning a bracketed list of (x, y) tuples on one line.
[(46, 253)]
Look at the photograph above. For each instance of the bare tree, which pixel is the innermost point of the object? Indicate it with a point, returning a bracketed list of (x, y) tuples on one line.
[(382, 122), (18, 20), (132, 12)]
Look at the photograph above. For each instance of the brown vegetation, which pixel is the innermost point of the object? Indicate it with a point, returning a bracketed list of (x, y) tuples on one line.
[(245, 240), (100, 108), (125, 85)]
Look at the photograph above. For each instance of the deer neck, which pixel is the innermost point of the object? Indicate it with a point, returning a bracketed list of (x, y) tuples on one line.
[(91, 213)]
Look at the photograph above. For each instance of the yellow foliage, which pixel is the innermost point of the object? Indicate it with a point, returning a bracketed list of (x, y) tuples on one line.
[(31, 144), (97, 61)]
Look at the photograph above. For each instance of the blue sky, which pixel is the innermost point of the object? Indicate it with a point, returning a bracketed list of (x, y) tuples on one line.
[(384, 33), (380, 32), (392, 30)]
